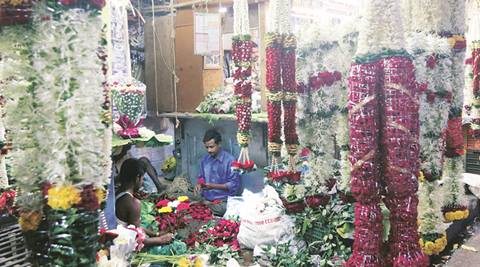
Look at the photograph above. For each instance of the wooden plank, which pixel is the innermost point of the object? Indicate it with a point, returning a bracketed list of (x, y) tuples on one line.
[(189, 67), (159, 79)]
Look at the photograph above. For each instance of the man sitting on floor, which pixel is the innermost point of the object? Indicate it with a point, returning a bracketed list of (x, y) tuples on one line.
[(220, 181)]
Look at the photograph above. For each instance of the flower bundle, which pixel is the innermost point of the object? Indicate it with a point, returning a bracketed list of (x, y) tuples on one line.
[(172, 212), (65, 197), (129, 101), (383, 109)]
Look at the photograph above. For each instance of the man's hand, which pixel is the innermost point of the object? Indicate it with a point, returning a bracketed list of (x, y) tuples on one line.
[(198, 189)]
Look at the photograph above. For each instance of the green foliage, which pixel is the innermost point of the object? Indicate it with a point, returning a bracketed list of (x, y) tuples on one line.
[(327, 231), (282, 255)]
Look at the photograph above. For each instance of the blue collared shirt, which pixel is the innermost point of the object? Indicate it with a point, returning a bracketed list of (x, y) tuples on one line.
[(217, 170)]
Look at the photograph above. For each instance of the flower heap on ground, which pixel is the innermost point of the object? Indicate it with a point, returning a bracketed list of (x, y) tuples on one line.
[(384, 140), (322, 67), (59, 158), (472, 68), (242, 81), (282, 96)]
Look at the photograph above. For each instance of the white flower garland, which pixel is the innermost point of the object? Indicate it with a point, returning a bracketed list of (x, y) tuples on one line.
[(279, 14), (15, 72), (55, 121), (241, 25), (453, 191), (381, 28), (69, 86), (321, 48)]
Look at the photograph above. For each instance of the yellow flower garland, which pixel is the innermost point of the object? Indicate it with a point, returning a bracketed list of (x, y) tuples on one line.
[(433, 248), (29, 221), (456, 215), (63, 197)]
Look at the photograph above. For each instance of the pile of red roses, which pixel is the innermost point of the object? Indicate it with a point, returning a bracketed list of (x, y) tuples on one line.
[(224, 233)]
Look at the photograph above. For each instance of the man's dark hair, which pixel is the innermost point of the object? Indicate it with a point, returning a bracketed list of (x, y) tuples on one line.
[(212, 134), (130, 170)]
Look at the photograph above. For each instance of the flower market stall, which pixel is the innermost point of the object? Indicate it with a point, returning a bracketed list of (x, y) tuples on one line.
[(349, 146)]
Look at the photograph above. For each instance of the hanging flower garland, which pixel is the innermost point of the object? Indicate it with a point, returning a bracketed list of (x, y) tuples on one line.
[(242, 48), (453, 169), (432, 71), (55, 117), (383, 113), (321, 112)]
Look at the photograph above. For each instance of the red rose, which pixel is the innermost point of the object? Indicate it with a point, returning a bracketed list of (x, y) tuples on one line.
[(431, 62), (201, 181), (98, 3), (430, 97), (183, 206), (68, 2), (163, 203)]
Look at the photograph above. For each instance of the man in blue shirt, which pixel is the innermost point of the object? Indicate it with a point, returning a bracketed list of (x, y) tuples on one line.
[(219, 181)]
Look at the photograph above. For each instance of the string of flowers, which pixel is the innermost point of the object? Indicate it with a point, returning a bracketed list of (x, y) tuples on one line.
[(242, 57), (383, 112), (454, 200), (432, 69)]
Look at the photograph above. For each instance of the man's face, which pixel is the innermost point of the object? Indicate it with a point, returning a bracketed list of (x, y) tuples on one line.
[(212, 147)]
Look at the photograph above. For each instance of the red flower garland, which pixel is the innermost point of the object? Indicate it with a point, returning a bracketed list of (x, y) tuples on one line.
[(242, 58), (454, 140), (393, 79)]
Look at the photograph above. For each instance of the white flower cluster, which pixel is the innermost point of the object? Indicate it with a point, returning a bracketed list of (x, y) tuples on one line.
[(279, 14), (381, 27), (293, 192), (453, 192), (241, 24), (55, 117), (320, 49)]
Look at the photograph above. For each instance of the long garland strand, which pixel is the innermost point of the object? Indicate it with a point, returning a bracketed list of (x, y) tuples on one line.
[(384, 150), (242, 57)]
